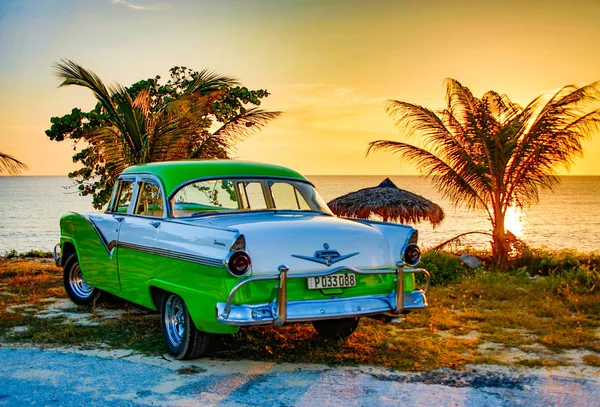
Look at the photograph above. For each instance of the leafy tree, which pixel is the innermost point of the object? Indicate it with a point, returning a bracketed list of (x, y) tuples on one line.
[(490, 153), (194, 115), (11, 165)]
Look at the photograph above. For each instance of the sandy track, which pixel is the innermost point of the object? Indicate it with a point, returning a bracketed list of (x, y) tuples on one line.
[(70, 377)]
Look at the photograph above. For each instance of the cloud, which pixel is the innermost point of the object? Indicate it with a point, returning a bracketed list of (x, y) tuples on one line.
[(150, 7)]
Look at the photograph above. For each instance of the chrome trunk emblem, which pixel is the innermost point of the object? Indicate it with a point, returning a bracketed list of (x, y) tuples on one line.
[(326, 257)]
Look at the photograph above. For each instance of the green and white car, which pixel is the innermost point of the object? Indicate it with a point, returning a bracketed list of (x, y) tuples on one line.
[(217, 245)]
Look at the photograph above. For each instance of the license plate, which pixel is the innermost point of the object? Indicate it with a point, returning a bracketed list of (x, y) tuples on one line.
[(333, 281)]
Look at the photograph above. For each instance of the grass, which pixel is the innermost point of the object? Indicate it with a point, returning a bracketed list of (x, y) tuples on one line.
[(476, 318), (591, 360), (538, 363), (31, 254)]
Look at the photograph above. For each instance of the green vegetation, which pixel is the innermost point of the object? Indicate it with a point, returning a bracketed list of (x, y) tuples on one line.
[(578, 269), (35, 254), (194, 115), (475, 316), (445, 268), (491, 154)]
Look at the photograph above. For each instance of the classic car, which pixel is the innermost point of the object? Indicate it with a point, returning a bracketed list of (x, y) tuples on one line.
[(217, 245)]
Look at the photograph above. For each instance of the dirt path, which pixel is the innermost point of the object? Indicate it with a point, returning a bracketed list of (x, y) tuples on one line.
[(68, 377)]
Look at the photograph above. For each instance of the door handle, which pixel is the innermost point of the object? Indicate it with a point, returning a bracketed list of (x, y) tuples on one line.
[(155, 224), (119, 218)]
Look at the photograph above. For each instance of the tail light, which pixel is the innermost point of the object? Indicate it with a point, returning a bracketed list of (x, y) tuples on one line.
[(412, 254), (238, 263)]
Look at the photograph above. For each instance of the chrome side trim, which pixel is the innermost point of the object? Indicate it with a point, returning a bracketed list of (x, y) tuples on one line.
[(192, 258)]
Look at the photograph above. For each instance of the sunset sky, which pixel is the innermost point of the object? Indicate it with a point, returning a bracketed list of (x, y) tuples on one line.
[(329, 65)]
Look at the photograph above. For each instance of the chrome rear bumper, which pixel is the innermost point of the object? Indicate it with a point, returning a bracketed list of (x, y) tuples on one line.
[(280, 311), (57, 256)]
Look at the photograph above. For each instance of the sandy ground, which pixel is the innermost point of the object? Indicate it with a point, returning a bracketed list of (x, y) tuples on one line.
[(71, 377), (73, 314), (32, 375)]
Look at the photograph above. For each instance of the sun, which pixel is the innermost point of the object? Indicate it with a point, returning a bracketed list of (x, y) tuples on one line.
[(515, 221)]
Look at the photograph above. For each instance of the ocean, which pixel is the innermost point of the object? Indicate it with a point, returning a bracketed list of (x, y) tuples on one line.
[(569, 217)]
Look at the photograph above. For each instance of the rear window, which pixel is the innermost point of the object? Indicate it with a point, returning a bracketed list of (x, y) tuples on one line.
[(227, 195), (205, 196)]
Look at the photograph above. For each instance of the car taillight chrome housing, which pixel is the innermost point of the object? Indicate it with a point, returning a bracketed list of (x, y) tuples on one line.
[(238, 263), (412, 254)]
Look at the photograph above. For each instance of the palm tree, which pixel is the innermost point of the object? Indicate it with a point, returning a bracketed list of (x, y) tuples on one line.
[(11, 165), (137, 131), (492, 154)]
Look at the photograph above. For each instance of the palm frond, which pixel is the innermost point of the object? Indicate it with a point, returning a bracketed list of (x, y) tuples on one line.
[(457, 240), (501, 107), (131, 119), (552, 136), (448, 181), (192, 106), (220, 142), (460, 102), (74, 74), (586, 124), (143, 102), (443, 137), (208, 82), (173, 137), (211, 146), (108, 143), (11, 165), (414, 120), (246, 124)]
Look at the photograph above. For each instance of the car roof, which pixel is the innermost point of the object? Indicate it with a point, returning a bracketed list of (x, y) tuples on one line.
[(174, 173)]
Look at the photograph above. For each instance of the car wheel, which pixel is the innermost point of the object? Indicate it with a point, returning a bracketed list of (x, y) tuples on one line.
[(77, 289), (336, 328), (182, 338)]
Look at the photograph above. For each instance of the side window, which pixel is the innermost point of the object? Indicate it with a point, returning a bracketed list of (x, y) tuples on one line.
[(150, 201), (286, 196), (253, 192), (124, 195)]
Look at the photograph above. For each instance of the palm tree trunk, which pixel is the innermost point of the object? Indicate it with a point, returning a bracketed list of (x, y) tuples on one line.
[(499, 243)]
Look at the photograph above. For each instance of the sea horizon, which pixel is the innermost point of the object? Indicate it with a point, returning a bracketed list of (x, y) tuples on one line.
[(563, 219)]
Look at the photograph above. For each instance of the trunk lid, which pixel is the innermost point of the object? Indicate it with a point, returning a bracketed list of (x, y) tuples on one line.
[(305, 242)]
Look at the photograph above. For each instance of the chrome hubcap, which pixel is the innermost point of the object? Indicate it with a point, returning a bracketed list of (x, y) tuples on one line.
[(175, 320), (78, 284)]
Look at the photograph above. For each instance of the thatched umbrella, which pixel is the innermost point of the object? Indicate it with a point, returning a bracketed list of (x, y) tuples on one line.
[(389, 202)]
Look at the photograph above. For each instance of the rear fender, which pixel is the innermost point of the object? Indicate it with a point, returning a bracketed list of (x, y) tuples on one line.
[(200, 304)]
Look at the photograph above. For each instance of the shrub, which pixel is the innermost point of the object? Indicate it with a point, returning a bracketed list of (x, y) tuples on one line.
[(13, 254), (445, 267), (578, 270)]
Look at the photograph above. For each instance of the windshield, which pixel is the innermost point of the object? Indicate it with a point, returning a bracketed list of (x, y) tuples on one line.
[(227, 195)]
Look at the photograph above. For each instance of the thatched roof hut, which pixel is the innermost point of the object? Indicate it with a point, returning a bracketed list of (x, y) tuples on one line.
[(389, 202)]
